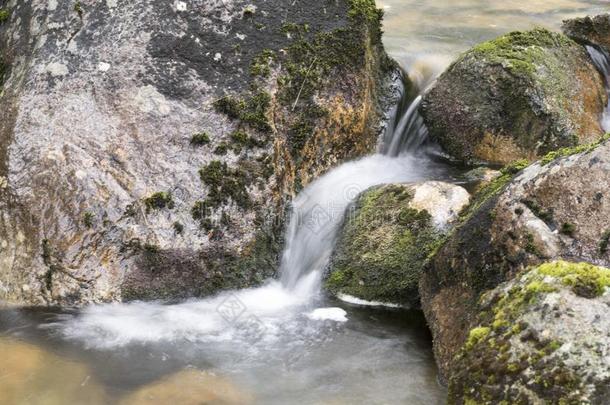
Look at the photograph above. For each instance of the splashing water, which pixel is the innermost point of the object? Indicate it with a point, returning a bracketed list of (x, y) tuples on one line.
[(602, 62), (285, 329), (281, 340), (278, 306)]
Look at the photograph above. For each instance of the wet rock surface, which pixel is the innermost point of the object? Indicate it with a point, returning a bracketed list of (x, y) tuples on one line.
[(557, 208), (148, 148), (519, 96), (590, 30), (540, 338), (387, 236)]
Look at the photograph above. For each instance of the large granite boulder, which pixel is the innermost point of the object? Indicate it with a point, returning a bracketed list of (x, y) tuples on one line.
[(590, 30), (557, 208), (543, 337), (146, 146), (386, 238), (519, 96)]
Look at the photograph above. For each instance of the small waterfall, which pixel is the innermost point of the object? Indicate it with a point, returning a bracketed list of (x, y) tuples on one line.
[(318, 211), (410, 133), (602, 61)]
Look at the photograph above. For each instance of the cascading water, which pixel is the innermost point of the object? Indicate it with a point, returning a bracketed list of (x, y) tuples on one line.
[(602, 61), (317, 214), (410, 133), (271, 332), (318, 211)]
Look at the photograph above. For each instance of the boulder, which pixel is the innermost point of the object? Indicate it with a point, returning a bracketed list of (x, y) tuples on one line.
[(540, 338), (521, 95), (148, 148), (387, 236), (557, 208), (590, 30)]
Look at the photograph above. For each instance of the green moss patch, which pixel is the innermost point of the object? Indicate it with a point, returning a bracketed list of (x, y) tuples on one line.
[(261, 64), (252, 110), (585, 279), (88, 219), (224, 184), (491, 363), (381, 252), (564, 152), (4, 15), (521, 52), (200, 139), (159, 201), (476, 335)]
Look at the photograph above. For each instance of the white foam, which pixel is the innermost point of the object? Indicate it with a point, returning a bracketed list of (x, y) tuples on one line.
[(357, 301), (332, 314), (231, 316)]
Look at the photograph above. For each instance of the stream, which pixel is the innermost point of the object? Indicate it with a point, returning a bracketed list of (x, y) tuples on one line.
[(285, 342)]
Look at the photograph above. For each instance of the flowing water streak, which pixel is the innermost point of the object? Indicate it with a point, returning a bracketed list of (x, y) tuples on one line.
[(602, 62), (282, 310), (411, 132), (318, 211)]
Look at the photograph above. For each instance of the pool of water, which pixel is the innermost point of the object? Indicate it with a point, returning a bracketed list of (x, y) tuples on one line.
[(169, 354)]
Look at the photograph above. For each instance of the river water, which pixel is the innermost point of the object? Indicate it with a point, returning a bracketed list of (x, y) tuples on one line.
[(285, 342)]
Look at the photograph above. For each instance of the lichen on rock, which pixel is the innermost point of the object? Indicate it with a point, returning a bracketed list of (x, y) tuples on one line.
[(387, 236), (540, 338), (111, 122), (555, 209), (521, 95)]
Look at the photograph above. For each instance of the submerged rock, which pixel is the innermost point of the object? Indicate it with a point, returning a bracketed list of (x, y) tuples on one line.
[(31, 375), (388, 235), (148, 148), (540, 338), (188, 387), (590, 30), (557, 208), (519, 96)]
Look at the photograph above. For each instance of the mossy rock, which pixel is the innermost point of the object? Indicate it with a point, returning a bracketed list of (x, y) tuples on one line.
[(590, 30), (540, 338), (556, 208), (521, 95), (227, 118), (387, 236)]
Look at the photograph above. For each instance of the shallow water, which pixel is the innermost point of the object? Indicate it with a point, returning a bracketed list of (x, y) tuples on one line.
[(376, 356), (282, 343), (424, 36)]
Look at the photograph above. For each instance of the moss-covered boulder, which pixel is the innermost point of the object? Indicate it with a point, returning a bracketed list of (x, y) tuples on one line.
[(540, 338), (518, 96), (149, 148), (386, 238), (557, 208), (590, 30)]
